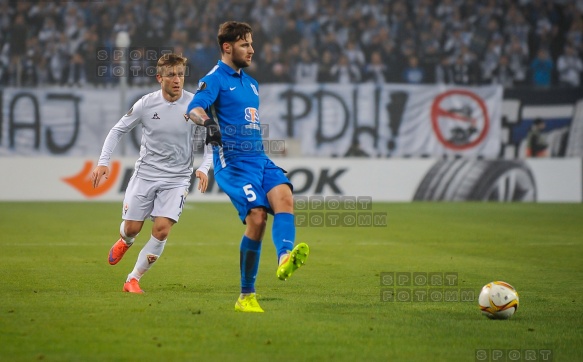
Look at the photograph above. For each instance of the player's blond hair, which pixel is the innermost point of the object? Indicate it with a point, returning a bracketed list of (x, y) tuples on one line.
[(170, 60)]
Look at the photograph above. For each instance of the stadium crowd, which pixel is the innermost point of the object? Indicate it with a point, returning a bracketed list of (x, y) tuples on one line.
[(467, 42)]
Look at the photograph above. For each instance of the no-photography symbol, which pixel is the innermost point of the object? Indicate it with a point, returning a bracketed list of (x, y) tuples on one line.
[(459, 119)]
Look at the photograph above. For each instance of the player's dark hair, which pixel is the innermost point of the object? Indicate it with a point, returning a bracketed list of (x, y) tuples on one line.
[(231, 31), (170, 60)]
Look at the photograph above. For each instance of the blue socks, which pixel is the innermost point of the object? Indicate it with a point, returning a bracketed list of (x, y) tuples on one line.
[(249, 263), (283, 233)]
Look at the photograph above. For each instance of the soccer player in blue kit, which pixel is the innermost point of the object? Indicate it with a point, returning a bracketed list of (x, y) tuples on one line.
[(226, 104)]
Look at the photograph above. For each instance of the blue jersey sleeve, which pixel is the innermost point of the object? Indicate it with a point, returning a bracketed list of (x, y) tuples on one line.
[(206, 94)]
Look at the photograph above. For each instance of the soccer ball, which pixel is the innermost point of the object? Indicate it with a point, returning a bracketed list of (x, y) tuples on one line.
[(498, 300)]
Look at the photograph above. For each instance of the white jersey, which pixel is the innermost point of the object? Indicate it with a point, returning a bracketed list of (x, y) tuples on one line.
[(168, 140)]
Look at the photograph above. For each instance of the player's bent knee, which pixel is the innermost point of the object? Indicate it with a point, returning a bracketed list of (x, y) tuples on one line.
[(281, 199), (257, 218), (132, 228), (161, 233), (160, 236)]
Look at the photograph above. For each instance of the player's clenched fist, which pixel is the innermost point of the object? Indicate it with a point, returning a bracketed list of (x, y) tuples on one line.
[(213, 133)]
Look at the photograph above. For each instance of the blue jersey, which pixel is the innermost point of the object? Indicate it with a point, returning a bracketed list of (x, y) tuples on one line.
[(232, 100)]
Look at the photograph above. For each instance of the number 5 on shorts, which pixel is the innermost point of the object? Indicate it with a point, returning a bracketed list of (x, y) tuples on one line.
[(251, 196)]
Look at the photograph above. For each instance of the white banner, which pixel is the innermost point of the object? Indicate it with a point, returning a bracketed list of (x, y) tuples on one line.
[(63, 121), (393, 120), (398, 180)]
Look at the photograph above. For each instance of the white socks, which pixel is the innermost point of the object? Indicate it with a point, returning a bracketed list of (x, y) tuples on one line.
[(148, 255), (128, 240)]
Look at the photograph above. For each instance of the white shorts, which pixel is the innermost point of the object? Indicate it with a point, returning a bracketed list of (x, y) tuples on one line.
[(145, 199)]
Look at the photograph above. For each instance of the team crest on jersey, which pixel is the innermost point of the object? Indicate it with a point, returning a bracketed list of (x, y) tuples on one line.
[(130, 112), (155, 116), (254, 90)]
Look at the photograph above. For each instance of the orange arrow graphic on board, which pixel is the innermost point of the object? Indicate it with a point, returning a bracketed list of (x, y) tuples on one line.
[(82, 180)]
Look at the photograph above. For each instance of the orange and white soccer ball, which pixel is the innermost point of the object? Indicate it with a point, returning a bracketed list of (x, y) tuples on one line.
[(498, 300)]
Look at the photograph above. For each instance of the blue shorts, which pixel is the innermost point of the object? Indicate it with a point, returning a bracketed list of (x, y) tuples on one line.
[(247, 181)]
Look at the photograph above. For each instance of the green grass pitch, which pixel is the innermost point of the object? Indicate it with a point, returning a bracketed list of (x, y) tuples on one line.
[(61, 301)]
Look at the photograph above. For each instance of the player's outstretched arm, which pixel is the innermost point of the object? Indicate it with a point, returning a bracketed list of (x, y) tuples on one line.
[(98, 173), (198, 116), (213, 132)]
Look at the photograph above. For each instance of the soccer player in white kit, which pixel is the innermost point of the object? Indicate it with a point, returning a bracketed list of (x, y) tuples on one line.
[(162, 174)]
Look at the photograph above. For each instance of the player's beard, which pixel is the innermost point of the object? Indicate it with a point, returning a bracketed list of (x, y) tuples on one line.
[(241, 62)]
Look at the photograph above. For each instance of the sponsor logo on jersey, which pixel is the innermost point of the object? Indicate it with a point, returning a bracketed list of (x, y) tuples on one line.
[(251, 115)]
